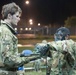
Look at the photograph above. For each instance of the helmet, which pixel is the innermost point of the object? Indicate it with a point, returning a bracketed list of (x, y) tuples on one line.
[(61, 33), (26, 52)]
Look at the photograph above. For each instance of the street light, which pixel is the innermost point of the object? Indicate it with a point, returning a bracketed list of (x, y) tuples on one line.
[(26, 28), (29, 28), (16, 29), (31, 21), (38, 24), (27, 2)]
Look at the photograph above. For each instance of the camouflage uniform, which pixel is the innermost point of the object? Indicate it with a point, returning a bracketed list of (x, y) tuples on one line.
[(62, 54), (63, 57), (37, 65), (10, 59)]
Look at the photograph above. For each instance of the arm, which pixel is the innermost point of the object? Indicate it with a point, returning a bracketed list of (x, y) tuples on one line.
[(59, 46), (9, 50)]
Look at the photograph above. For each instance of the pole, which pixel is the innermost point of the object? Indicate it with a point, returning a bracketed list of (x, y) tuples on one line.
[(48, 68)]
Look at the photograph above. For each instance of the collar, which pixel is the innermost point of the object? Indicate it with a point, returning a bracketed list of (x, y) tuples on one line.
[(9, 26)]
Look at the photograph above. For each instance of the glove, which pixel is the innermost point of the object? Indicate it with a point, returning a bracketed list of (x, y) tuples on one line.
[(42, 49), (21, 68)]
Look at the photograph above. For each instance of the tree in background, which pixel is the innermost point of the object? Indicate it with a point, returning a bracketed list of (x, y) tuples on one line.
[(71, 21)]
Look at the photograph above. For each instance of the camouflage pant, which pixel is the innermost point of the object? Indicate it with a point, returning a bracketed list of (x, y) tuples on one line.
[(3, 72), (63, 72), (37, 65)]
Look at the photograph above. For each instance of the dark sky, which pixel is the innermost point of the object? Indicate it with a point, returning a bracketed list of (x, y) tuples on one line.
[(46, 11)]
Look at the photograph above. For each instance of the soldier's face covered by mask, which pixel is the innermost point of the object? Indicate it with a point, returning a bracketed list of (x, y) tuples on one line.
[(61, 34), (58, 36)]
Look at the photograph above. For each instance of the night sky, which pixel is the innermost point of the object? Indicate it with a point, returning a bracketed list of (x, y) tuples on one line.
[(46, 11)]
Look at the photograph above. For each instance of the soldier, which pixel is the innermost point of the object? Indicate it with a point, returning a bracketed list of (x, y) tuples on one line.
[(62, 53), (61, 34), (10, 59)]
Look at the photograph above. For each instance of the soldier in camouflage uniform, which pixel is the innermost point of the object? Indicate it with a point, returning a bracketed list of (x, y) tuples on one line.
[(61, 34), (62, 52), (10, 59)]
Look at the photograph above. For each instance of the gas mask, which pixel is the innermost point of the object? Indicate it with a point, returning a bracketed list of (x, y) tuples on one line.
[(61, 33)]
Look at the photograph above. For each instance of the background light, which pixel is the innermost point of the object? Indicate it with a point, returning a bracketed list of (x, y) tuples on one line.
[(38, 24), (27, 2)]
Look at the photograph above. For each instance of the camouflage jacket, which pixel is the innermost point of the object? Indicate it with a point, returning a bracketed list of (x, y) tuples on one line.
[(9, 55), (63, 56)]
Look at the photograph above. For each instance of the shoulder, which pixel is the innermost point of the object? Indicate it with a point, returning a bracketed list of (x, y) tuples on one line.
[(3, 27), (70, 41)]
